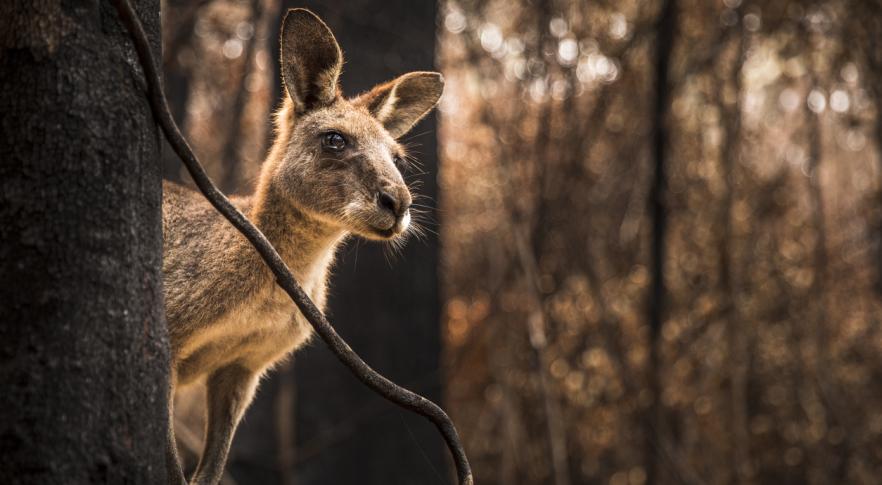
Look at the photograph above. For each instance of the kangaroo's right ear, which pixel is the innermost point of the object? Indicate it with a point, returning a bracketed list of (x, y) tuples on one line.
[(400, 103), (311, 60)]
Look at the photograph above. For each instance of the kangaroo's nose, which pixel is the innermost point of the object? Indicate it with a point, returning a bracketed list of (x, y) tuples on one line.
[(396, 205)]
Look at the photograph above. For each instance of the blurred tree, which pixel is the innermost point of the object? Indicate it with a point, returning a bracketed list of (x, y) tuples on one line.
[(178, 26), (658, 212), (737, 335), (865, 23), (218, 78), (83, 344)]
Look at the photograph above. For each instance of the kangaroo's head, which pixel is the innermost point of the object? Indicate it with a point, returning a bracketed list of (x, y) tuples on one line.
[(338, 158)]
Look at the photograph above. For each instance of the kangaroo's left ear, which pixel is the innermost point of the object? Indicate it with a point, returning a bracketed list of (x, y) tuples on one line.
[(311, 60), (400, 103)]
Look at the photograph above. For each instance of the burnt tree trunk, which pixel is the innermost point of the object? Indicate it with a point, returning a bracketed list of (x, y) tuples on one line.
[(658, 213), (339, 432), (83, 346)]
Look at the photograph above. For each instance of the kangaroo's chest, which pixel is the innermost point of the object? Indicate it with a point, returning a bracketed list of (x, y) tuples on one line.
[(255, 335), (276, 315)]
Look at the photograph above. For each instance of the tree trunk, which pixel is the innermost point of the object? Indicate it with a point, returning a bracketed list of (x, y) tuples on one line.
[(653, 441), (83, 345), (730, 268)]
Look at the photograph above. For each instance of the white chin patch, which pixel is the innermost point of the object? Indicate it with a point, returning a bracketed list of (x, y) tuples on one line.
[(405, 221)]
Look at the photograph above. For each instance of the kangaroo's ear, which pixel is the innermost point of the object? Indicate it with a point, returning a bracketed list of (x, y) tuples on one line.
[(311, 60), (400, 103)]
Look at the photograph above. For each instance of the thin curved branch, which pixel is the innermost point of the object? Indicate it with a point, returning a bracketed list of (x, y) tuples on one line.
[(285, 279)]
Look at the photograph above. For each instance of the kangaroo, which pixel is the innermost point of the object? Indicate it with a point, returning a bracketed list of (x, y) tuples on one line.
[(334, 170)]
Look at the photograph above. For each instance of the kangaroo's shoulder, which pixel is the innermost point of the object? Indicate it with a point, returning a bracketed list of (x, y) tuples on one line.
[(186, 213), (207, 264)]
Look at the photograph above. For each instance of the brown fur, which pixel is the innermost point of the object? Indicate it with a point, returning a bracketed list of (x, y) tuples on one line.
[(227, 319)]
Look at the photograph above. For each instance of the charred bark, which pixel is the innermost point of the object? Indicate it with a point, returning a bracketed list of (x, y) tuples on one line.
[(83, 345)]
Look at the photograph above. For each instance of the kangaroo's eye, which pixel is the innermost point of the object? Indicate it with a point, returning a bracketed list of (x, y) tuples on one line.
[(333, 141), (400, 163)]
